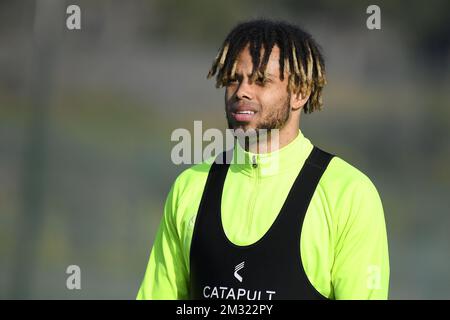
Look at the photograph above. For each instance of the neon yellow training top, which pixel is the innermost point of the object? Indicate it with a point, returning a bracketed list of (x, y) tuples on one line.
[(343, 241)]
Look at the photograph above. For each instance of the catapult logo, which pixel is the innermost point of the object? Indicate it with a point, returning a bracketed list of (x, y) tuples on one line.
[(239, 267), (232, 293)]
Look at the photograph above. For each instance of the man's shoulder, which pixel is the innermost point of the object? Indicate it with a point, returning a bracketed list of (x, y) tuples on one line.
[(350, 196), (342, 176), (193, 178)]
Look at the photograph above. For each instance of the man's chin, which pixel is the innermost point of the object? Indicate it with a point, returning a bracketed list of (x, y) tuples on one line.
[(243, 127)]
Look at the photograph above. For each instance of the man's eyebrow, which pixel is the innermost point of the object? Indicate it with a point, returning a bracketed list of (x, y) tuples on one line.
[(266, 74), (269, 75)]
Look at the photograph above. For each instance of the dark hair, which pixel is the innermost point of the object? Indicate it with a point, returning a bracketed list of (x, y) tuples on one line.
[(299, 53)]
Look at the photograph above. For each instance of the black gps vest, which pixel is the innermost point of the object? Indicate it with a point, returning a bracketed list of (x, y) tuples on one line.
[(268, 269)]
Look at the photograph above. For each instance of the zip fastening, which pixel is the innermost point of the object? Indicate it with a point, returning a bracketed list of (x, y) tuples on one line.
[(251, 203), (254, 164)]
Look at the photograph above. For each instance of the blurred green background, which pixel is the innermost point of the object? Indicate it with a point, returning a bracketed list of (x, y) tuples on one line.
[(86, 118)]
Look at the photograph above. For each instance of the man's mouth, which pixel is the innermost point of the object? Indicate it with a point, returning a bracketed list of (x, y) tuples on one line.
[(243, 116)]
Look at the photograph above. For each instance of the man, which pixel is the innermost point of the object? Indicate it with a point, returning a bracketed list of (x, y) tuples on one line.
[(291, 223)]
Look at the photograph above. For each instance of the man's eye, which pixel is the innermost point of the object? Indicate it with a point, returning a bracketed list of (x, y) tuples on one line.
[(262, 80), (231, 80)]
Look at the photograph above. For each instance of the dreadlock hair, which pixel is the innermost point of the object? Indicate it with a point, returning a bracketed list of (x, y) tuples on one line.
[(299, 54)]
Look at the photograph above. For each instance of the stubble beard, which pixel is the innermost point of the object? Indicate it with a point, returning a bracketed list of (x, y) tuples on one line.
[(276, 120)]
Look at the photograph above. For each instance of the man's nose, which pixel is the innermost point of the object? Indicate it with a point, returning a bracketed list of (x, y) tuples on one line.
[(245, 90)]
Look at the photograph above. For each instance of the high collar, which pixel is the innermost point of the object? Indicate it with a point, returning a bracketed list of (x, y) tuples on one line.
[(292, 155)]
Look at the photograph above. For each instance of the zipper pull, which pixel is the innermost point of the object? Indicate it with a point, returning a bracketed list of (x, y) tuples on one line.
[(254, 165)]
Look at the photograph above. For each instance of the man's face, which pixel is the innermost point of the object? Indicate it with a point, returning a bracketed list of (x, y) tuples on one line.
[(260, 104)]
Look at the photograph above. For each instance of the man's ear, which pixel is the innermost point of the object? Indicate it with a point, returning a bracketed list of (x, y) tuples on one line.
[(298, 100)]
